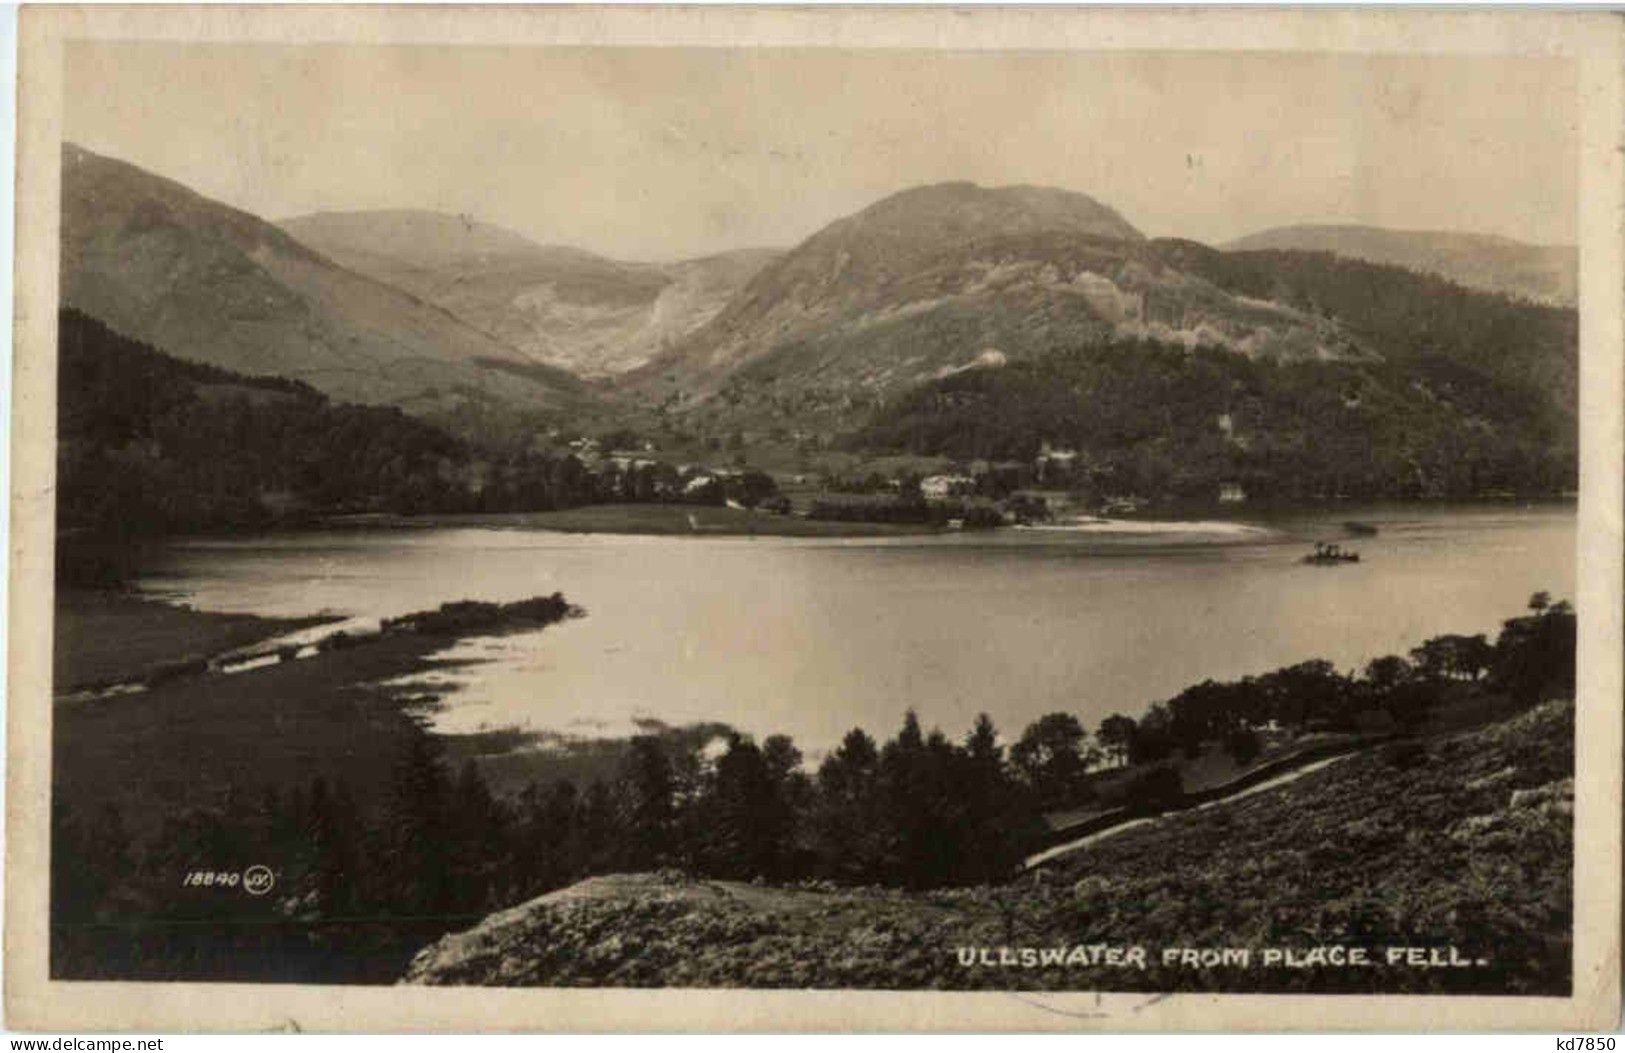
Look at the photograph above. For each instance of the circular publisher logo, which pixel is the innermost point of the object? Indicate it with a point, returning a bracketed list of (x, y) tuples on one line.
[(257, 880)]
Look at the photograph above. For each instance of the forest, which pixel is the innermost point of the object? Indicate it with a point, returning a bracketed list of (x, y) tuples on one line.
[(1532, 658), (149, 444), (368, 874), (1452, 393), (1283, 431), (1496, 356)]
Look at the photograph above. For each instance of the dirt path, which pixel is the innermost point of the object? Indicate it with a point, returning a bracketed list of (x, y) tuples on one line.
[(1056, 852)]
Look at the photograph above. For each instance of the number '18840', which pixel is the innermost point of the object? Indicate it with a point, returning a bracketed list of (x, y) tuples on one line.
[(212, 878)]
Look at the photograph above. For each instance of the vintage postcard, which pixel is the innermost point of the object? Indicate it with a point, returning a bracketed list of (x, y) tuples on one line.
[(810, 518)]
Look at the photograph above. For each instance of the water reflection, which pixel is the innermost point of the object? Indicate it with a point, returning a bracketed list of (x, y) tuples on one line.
[(813, 636)]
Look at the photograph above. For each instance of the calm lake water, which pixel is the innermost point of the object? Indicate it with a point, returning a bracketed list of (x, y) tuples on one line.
[(813, 636)]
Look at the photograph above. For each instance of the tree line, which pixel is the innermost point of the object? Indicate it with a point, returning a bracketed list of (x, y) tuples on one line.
[(1172, 423), (1497, 354), (368, 876), (1532, 657), (365, 875), (149, 444)]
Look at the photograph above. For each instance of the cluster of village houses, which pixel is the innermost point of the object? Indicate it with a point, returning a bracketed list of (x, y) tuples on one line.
[(1054, 467), (662, 479)]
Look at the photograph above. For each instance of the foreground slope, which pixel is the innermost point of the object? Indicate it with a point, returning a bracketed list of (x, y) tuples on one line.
[(573, 309), (1543, 273), (1460, 842), (213, 284)]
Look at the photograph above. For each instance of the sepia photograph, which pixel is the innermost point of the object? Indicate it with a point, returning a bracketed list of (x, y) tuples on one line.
[(757, 513)]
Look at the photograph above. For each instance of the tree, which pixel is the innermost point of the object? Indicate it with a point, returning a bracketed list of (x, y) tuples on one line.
[(982, 748), (751, 488), (796, 793), (1385, 674), (847, 825), (598, 827), (89, 860), (746, 825), (1116, 736), (480, 840), (1299, 693), (1052, 758), (998, 817), (908, 805), (1392, 684), (549, 851), (1243, 745), (781, 756), (331, 828), (1453, 657), (1153, 739), (910, 737), (647, 806), (1535, 655), (416, 841)]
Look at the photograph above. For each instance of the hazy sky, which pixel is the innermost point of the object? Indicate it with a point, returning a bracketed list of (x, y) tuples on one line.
[(668, 153)]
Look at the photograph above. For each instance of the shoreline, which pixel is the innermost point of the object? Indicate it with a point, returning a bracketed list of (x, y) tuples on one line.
[(660, 520), (109, 637), (678, 520), (338, 711)]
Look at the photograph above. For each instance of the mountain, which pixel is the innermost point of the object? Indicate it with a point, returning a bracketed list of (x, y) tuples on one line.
[(944, 278), (149, 444), (561, 305), (1457, 393), (985, 324), (1543, 273), (211, 283)]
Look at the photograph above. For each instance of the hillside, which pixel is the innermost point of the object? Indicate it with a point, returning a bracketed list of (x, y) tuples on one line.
[(148, 443), (1459, 393), (979, 323), (213, 284), (1541, 273), (570, 308), (1462, 841), (1421, 323), (944, 278)]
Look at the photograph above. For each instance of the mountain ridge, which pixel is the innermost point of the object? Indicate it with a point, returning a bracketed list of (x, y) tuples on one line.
[(939, 278), (1491, 262), (216, 284), (560, 304)]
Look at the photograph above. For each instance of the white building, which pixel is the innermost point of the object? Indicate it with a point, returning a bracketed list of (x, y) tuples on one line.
[(937, 487)]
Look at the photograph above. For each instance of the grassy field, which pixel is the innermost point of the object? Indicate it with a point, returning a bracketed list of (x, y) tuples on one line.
[(208, 771), (688, 520), (193, 742), (107, 637), (1459, 846)]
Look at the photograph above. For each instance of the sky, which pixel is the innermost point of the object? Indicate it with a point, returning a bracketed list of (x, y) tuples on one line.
[(670, 153)]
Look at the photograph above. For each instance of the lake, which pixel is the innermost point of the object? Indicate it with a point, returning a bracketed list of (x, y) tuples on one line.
[(811, 637)]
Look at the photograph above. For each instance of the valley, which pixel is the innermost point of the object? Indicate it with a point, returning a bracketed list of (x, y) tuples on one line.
[(987, 465), (1011, 340)]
